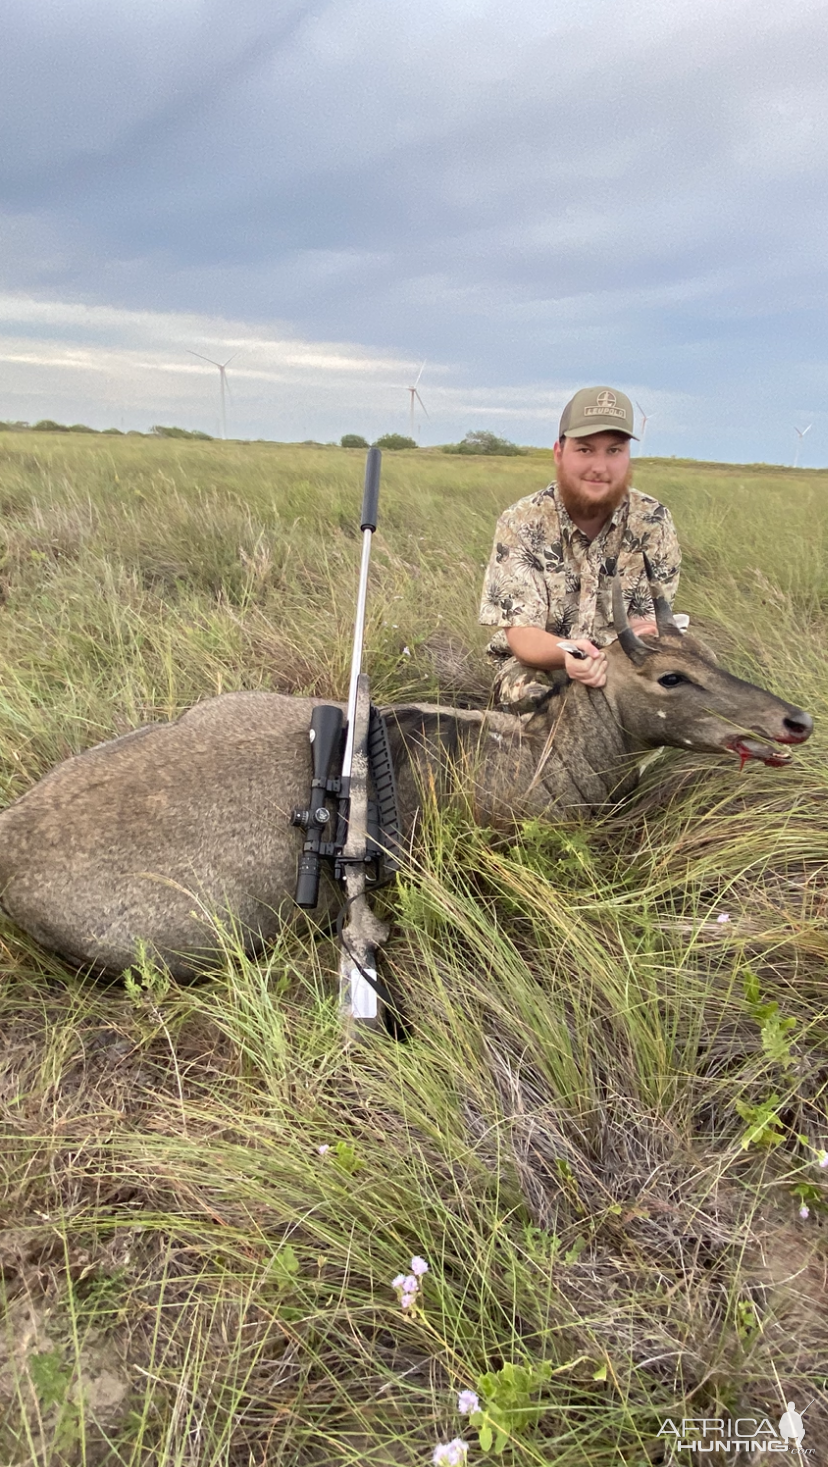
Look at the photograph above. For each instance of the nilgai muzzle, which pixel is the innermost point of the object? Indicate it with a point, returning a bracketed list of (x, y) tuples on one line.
[(143, 838)]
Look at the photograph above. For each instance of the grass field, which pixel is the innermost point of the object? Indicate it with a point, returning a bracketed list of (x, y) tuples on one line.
[(604, 1136)]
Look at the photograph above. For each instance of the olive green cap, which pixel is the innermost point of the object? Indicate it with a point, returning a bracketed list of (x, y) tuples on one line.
[(597, 410)]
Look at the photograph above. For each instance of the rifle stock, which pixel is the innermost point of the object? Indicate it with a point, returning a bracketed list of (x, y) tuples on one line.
[(362, 933)]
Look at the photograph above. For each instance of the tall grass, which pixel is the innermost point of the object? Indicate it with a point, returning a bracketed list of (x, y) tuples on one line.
[(611, 1106)]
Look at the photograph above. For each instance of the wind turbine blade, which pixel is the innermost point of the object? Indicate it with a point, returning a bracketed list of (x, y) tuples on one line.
[(807, 430), (419, 375), (229, 360), (203, 359), (420, 401)]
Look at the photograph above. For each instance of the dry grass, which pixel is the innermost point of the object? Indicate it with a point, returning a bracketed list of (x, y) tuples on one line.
[(601, 1130)]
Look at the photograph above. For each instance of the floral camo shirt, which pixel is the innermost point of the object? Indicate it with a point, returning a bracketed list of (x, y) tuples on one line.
[(544, 572)]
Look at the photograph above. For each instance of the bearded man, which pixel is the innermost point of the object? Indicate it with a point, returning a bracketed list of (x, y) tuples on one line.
[(547, 579)]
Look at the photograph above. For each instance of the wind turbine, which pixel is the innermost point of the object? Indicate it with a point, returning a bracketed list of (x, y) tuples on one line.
[(644, 422), (415, 393), (222, 367), (800, 433)]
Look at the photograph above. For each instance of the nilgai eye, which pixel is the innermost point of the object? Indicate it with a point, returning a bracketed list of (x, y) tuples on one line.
[(672, 679)]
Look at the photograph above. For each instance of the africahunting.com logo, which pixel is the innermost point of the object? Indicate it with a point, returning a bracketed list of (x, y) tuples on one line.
[(744, 1434)]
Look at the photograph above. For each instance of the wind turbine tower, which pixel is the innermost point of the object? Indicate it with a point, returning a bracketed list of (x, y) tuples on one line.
[(800, 434), (222, 368), (644, 422), (415, 394)]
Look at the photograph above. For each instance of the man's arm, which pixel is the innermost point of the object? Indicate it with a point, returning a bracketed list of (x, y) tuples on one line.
[(514, 593), (537, 648), (664, 554)]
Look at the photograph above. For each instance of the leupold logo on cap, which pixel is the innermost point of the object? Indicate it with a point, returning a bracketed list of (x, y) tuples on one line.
[(605, 407)]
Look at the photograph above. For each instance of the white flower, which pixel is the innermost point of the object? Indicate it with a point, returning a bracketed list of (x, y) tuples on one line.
[(419, 1267), (467, 1402), (451, 1454), (804, 1212), (723, 917), (323, 1150), (406, 651), (407, 1287), (822, 1159)]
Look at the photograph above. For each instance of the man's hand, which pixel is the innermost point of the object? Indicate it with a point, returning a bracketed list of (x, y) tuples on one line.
[(536, 648), (591, 668)]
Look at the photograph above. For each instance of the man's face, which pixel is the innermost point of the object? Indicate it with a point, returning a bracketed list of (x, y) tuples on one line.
[(593, 473)]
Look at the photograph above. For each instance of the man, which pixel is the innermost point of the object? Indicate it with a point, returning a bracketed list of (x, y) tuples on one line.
[(547, 579)]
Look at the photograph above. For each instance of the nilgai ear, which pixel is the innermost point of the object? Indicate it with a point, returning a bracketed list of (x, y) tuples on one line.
[(635, 649), (663, 610)]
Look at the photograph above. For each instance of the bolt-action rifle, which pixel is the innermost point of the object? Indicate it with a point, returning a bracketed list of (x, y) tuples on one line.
[(352, 772)]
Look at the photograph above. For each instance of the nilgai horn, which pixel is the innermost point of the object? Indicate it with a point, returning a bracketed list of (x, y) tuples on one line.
[(143, 838)]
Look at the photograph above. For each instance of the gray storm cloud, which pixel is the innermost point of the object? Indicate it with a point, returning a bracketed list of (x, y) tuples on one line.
[(530, 200)]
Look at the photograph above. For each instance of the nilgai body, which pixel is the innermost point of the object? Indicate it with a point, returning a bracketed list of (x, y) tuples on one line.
[(142, 839)]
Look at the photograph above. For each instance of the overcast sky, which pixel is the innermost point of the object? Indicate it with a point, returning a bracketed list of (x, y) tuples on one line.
[(530, 198)]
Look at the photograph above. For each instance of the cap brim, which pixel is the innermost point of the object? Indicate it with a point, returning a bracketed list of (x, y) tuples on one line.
[(589, 431)]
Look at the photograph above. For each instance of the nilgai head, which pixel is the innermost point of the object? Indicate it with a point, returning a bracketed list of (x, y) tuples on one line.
[(669, 690)]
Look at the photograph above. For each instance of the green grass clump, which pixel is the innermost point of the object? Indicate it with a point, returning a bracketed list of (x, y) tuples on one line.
[(610, 1111)]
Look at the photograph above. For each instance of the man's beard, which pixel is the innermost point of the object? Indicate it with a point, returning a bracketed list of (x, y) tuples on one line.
[(588, 508)]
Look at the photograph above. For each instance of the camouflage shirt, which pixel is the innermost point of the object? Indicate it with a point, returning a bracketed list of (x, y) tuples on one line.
[(544, 572)]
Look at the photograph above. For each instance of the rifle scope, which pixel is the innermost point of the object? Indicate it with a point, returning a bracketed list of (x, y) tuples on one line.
[(326, 741)]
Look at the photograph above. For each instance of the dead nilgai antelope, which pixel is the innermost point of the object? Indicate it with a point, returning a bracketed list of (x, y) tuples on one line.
[(141, 837)]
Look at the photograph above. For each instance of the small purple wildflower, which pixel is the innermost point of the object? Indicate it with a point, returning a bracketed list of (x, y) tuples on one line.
[(451, 1454), (804, 1212), (323, 1150), (822, 1159), (723, 917), (467, 1402), (407, 1286), (419, 1267)]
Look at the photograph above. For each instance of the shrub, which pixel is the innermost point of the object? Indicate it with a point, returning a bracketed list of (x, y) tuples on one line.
[(161, 432), (482, 441), (353, 440), (47, 425), (395, 440)]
